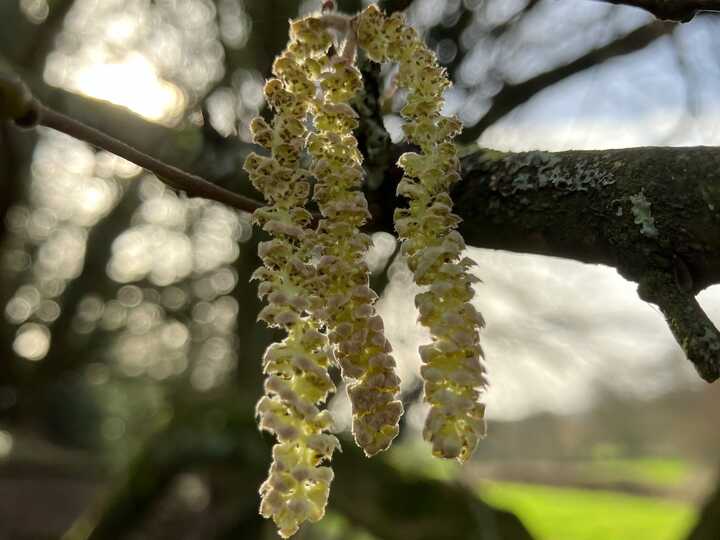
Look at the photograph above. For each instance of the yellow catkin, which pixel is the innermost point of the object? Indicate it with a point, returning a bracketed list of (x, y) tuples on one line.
[(345, 300), (452, 367), (316, 281), (297, 381)]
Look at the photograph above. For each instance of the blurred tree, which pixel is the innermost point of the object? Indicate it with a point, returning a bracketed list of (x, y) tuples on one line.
[(156, 370), (708, 526)]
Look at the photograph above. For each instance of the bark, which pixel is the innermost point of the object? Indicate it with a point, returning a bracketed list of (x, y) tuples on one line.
[(653, 213)]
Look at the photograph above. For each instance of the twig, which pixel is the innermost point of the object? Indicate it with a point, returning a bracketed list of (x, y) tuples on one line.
[(671, 10), (193, 185), (692, 328), (17, 104), (512, 96)]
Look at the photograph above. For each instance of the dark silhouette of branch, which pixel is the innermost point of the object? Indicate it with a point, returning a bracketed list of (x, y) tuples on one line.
[(404, 506), (45, 41), (671, 10), (513, 95), (391, 6)]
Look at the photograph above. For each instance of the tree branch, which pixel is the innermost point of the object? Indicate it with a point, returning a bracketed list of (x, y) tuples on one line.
[(652, 213), (671, 10), (513, 95), (193, 185), (17, 104)]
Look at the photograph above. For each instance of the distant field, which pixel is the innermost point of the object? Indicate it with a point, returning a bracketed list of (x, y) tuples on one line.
[(552, 513), (662, 472), (573, 513)]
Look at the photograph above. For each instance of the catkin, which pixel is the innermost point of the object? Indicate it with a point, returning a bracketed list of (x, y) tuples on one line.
[(452, 367)]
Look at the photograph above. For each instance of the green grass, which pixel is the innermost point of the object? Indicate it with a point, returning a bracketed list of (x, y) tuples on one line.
[(663, 472), (552, 513)]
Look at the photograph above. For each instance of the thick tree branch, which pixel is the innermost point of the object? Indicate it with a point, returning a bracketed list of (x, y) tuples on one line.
[(652, 213), (671, 10), (513, 95)]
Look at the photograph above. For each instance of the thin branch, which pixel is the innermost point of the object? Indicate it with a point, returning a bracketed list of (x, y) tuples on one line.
[(670, 10), (689, 324), (193, 185), (513, 95), (18, 104)]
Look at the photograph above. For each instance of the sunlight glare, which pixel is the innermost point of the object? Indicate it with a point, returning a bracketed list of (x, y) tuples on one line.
[(32, 342), (132, 83), (6, 444)]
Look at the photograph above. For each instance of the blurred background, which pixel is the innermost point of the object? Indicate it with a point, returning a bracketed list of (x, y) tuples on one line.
[(130, 359)]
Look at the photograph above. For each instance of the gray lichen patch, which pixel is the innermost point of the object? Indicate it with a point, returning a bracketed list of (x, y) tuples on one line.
[(641, 209), (710, 339), (537, 170), (704, 350)]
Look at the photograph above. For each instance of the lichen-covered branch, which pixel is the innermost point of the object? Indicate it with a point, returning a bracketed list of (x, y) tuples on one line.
[(653, 213), (693, 330), (637, 209)]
